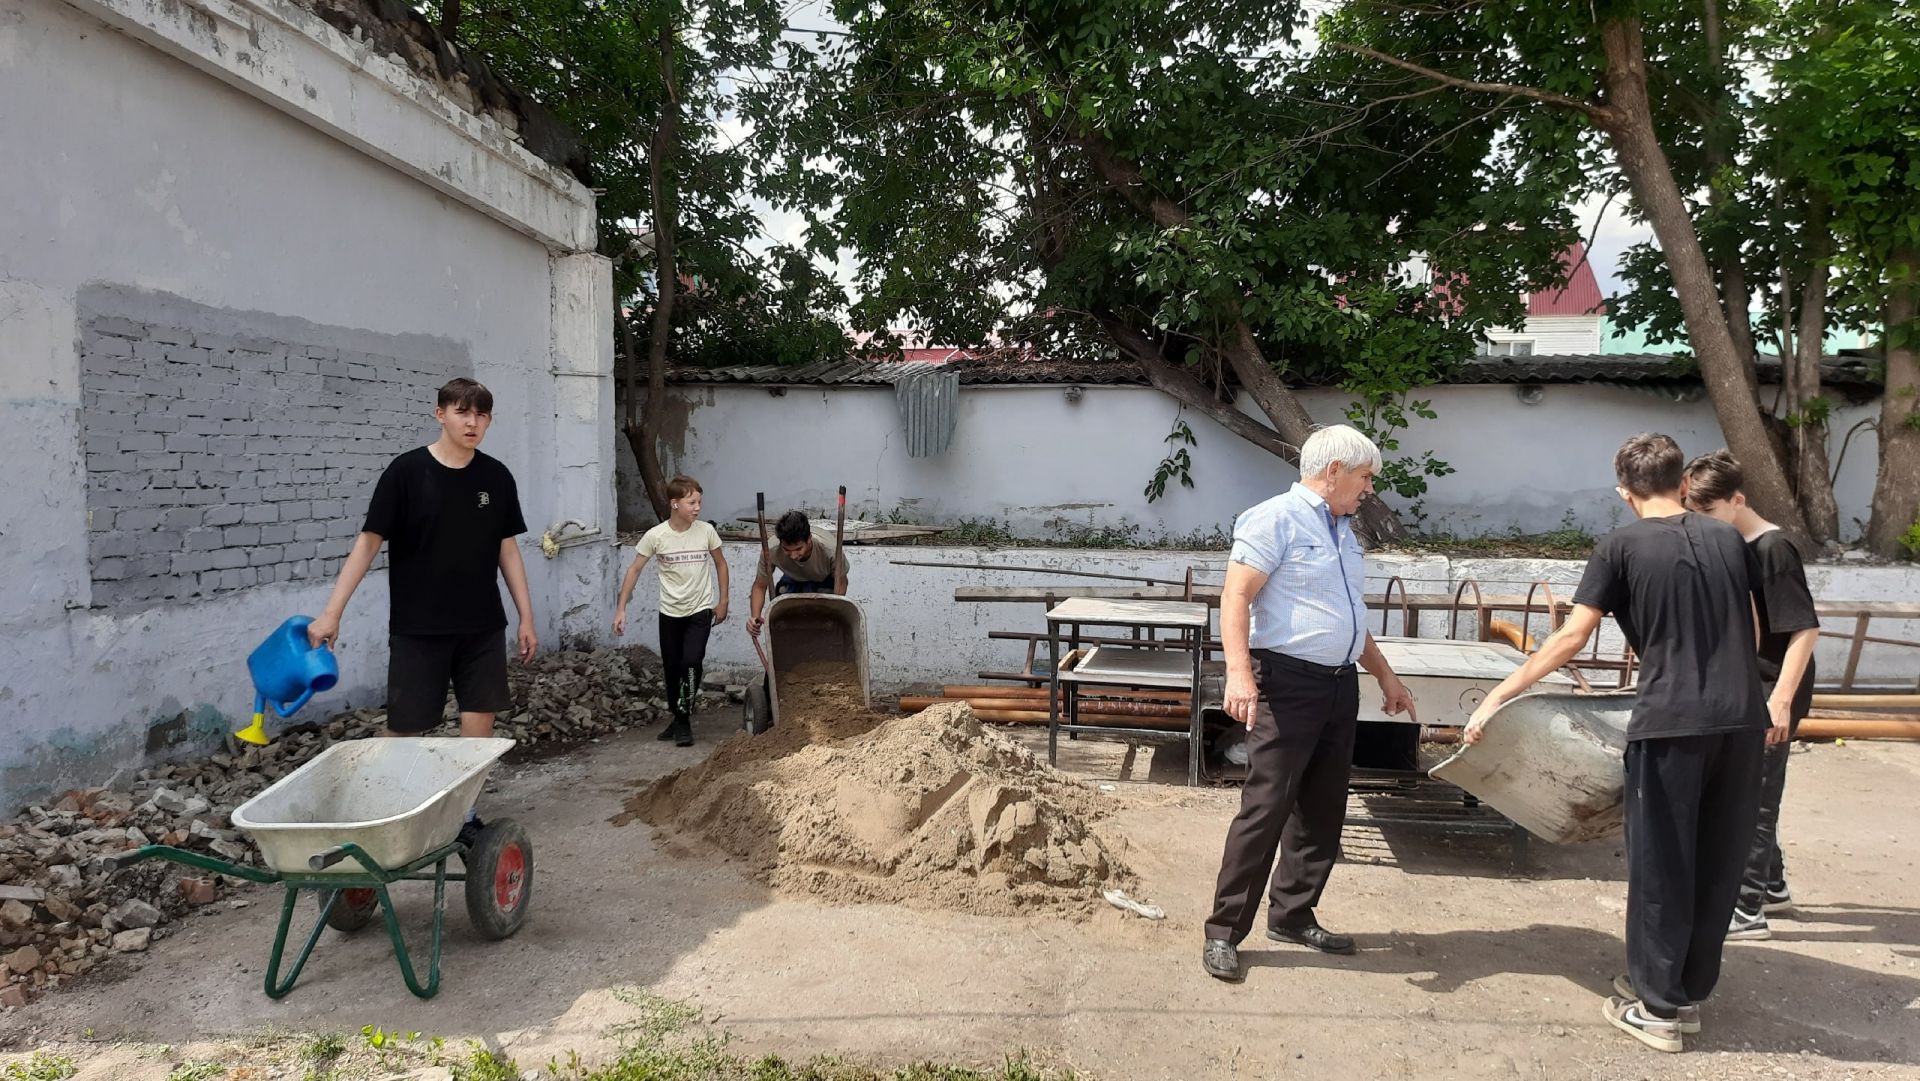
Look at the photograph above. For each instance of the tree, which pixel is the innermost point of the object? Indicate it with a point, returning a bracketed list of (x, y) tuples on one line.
[(1762, 226), (1179, 184), (1850, 112), (1591, 61), (647, 86)]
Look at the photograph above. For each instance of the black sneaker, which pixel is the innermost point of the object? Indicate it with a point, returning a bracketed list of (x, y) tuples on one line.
[(1778, 899), (470, 832), (1748, 927), (671, 731), (684, 738)]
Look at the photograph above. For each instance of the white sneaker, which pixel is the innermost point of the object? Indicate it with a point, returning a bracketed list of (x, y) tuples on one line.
[(1748, 927), (1630, 1017), (1689, 1016)]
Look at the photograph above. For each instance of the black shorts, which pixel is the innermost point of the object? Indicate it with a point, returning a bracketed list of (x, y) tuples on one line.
[(419, 667)]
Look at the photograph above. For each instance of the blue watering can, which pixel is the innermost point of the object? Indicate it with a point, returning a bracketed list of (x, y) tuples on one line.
[(286, 672)]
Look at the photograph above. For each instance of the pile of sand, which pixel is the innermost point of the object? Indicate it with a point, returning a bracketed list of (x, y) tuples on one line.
[(851, 806)]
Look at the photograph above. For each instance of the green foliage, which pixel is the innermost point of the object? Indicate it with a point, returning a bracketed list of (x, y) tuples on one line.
[(1848, 80), (322, 1047), (1036, 174), (1910, 540), (1177, 463), (196, 1070), (597, 67), (41, 1066), (1817, 413), (483, 1065)]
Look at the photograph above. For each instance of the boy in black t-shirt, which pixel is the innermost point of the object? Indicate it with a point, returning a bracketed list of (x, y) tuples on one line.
[(1789, 629), (449, 515), (1681, 587)]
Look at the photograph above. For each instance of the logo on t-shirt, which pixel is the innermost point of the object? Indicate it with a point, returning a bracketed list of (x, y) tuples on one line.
[(485, 499)]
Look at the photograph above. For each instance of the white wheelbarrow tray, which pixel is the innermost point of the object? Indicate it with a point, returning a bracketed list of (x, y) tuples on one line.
[(396, 798), (1553, 762)]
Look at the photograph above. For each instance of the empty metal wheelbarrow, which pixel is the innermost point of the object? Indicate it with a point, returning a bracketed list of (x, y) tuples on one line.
[(1553, 762), (363, 815), (806, 628)]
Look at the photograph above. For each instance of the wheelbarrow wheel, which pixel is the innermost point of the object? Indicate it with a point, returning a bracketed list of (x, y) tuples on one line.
[(756, 716), (355, 909), (499, 879)]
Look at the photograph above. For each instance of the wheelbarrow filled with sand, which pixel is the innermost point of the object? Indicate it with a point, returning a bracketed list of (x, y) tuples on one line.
[(1552, 762), (811, 639)]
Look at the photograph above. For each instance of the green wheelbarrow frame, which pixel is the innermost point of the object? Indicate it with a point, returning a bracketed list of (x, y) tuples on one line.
[(375, 877)]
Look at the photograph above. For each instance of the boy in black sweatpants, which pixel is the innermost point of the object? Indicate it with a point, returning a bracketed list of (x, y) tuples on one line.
[(1681, 586), (1789, 631)]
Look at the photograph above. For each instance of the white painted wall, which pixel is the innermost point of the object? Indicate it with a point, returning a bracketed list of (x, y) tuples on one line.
[(1024, 456), (916, 633), (128, 167)]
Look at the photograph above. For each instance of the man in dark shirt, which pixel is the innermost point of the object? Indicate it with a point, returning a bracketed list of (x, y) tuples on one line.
[(449, 515), (1789, 629), (1681, 587)]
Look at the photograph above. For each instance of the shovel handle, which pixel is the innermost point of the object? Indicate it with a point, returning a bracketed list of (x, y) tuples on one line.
[(320, 861)]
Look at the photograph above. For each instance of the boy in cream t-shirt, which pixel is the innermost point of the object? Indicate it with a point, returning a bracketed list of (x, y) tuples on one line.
[(689, 602)]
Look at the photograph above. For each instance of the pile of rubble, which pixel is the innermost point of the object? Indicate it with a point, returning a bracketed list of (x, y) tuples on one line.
[(63, 907)]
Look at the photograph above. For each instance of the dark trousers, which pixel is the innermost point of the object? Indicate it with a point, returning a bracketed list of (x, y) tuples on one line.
[(1691, 803), (1766, 869), (788, 584), (1295, 799), (683, 653)]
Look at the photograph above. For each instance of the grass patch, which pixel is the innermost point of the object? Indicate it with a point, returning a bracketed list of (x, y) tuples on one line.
[(661, 1043), (42, 1066), (323, 1047), (194, 1070)]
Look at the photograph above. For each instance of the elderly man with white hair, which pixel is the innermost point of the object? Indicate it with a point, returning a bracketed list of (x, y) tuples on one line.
[(1293, 623)]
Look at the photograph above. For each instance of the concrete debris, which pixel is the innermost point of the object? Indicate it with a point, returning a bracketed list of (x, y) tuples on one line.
[(63, 906), (134, 941)]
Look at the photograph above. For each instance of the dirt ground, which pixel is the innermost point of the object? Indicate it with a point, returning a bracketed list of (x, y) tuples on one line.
[(1469, 967)]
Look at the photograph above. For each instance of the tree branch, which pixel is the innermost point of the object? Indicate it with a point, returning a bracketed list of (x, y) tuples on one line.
[(1509, 89)]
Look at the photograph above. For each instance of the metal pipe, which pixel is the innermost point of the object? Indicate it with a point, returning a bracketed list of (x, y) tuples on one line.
[(914, 704), (1035, 570)]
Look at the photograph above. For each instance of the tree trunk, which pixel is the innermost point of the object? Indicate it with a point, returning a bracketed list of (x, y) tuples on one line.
[(640, 437), (1736, 298), (1376, 522), (647, 450), (1627, 121), (1896, 490), (1813, 477)]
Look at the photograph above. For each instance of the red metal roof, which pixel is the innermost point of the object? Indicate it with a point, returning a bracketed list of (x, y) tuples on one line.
[(1581, 294)]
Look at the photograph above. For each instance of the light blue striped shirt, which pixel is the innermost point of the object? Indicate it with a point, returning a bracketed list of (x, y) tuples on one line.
[(1314, 605)]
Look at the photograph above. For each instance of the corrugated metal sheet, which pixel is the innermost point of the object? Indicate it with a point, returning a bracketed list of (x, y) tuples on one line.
[(929, 408), (1631, 368), (819, 373)]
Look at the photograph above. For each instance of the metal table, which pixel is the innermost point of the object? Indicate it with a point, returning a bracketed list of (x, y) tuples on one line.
[(1168, 663)]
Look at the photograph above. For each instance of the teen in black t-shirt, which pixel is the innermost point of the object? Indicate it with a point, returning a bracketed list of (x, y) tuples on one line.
[(448, 515), (1789, 629), (1681, 587)]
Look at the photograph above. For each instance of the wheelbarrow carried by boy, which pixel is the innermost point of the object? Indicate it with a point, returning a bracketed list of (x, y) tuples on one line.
[(805, 628), (363, 815)]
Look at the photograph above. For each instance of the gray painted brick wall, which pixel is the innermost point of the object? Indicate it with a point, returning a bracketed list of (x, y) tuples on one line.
[(220, 461)]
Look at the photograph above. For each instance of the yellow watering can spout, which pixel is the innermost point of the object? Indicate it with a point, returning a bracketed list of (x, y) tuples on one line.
[(255, 733)]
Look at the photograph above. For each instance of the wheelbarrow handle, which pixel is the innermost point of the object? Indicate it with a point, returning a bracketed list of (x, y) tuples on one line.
[(320, 861), (122, 860)]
